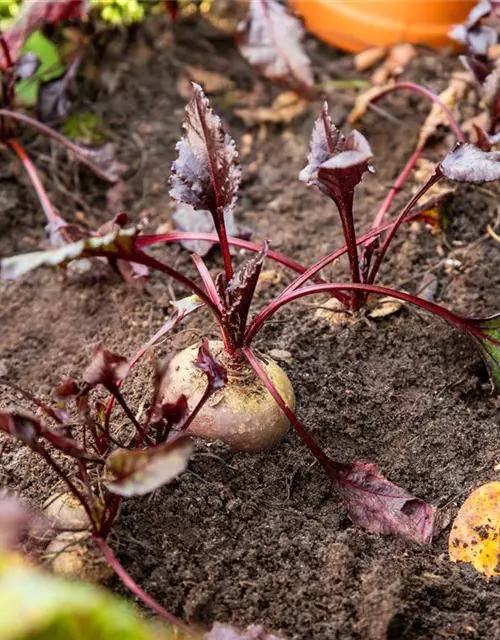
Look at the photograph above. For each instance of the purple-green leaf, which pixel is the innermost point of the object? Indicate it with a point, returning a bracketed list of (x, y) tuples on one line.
[(486, 335), (140, 471)]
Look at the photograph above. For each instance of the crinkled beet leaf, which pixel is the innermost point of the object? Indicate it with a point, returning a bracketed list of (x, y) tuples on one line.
[(468, 163), (215, 372), (336, 163), (271, 40), (239, 293), (140, 471), (477, 39), (379, 506), (206, 174)]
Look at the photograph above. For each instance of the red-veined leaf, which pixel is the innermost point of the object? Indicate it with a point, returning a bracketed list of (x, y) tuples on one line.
[(105, 368), (215, 372), (206, 174)]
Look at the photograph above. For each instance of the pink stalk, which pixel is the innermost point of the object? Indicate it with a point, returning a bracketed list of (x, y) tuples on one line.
[(401, 179), (51, 133), (130, 583), (309, 440), (44, 199), (276, 304), (416, 88), (438, 174)]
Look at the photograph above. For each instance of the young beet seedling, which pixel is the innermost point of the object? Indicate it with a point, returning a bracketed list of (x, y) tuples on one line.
[(206, 176)]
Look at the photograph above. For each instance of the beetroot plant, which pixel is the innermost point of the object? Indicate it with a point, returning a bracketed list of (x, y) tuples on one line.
[(225, 389)]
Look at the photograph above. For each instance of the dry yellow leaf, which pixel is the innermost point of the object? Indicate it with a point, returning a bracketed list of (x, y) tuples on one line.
[(334, 312), (369, 57), (475, 535), (363, 100), (385, 307), (283, 110), (454, 92), (397, 59)]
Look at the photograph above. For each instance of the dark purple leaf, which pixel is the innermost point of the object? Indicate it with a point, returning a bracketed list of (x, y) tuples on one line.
[(140, 471), (226, 632), (215, 372), (186, 218), (68, 388), (270, 39), (172, 6), (479, 69), (484, 140), (30, 430), (26, 66), (467, 163), (336, 163), (175, 413), (206, 174), (105, 368), (238, 294), (379, 506), (53, 101)]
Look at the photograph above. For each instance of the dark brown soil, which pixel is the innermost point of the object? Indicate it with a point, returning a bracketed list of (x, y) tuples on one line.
[(262, 538)]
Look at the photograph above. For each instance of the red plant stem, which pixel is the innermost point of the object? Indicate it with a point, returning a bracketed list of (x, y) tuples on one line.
[(44, 199), (417, 88), (438, 174), (226, 254), (400, 180), (177, 236), (318, 453), (112, 513), (129, 582), (207, 281), (51, 133), (276, 304), (115, 391), (344, 206)]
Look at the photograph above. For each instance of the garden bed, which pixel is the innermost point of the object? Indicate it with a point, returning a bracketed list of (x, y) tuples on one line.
[(262, 538)]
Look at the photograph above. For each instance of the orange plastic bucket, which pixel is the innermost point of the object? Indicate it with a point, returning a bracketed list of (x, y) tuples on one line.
[(355, 25)]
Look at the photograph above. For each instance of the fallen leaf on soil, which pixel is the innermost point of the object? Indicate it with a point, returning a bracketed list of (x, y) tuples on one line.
[(269, 277), (270, 39), (475, 534), (397, 59), (364, 99), (285, 108), (140, 471), (454, 92), (379, 506), (429, 205), (385, 307), (369, 57), (335, 313), (211, 81), (225, 15)]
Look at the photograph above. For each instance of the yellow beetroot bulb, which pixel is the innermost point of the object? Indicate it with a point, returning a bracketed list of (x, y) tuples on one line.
[(242, 414)]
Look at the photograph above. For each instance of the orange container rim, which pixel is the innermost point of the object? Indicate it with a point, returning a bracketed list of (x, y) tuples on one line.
[(355, 25)]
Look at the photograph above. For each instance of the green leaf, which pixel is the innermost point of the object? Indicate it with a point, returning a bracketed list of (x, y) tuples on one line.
[(141, 471), (50, 67), (486, 335), (84, 128), (38, 606), (116, 242)]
